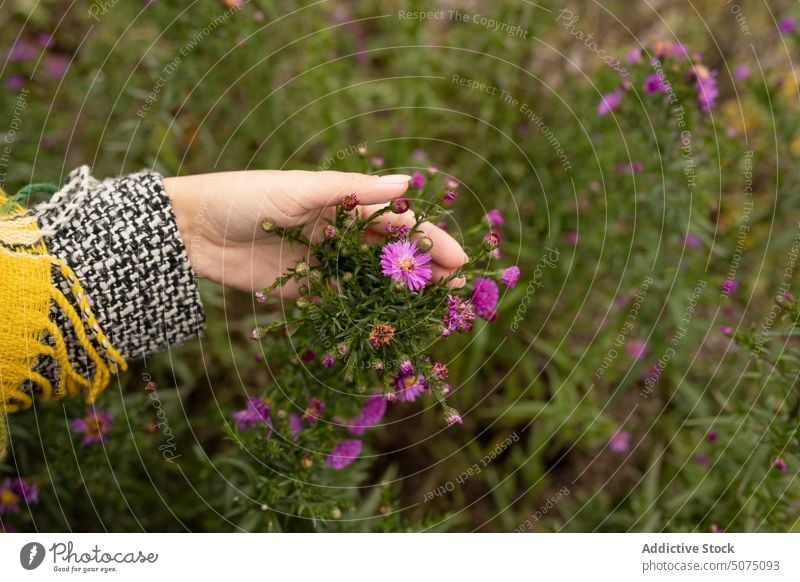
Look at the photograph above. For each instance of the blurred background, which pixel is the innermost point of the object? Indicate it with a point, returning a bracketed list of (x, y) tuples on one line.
[(643, 370)]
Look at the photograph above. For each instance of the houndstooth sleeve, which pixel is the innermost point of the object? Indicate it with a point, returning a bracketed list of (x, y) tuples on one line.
[(121, 239)]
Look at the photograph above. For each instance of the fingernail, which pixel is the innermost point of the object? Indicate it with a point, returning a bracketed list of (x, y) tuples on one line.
[(393, 179)]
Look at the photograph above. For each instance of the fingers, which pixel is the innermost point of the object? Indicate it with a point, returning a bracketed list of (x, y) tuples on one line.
[(317, 190)]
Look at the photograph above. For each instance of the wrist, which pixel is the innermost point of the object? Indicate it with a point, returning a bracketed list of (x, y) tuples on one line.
[(185, 217)]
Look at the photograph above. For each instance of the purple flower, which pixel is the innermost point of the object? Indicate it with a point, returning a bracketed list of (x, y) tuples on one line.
[(780, 464), (313, 410), (377, 161), (609, 102), (400, 205), (459, 317), (295, 425), (255, 412), (45, 40), (417, 180), (707, 92), (678, 49), (573, 238), (492, 239), (327, 361), (371, 414), (440, 370), (22, 51), (636, 349), (729, 286), (350, 201), (726, 330), (712, 436), (402, 261), (55, 66), (452, 417), (343, 454), (691, 240), (654, 84), (15, 83), (620, 441), (703, 460), (408, 385), (450, 195), (633, 55), (510, 277), (787, 25), (94, 427), (484, 297), (741, 72), (495, 218), (14, 491), (329, 231)]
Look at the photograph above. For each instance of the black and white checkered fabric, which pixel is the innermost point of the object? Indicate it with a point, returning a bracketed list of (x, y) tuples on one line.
[(121, 239)]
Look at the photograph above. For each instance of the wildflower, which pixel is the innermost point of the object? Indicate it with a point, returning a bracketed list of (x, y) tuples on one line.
[(408, 384), (716, 529), (260, 297), (780, 464), (484, 297), (433, 170), (344, 453), (787, 25), (22, 51), (94, 427), (726, 330), (417, 180), (313, 410), (377, 161), (401, 261), (327, 361), (446, 390), (620, 441), (400, 205), (703, 460), (609, 102), (371, 414), (633, 167), (691, 240), (729, 286), (295, 425), (15, 83), (255, 411), (495, 218), (636, 349), (634, 55), (678, 49), (707, 92), (307, 462), (492, 239), (459, 317), (14, 491), (573, 238), (654, 84), (268, 225), (308, 356), (381, 334), (55, 66), (741, 72), (452, 184), (350, 201), (439, 370), (510, 277), (712, 436), (398, 232), (450, 195), (452, 417), (255, 335), (329, 232)]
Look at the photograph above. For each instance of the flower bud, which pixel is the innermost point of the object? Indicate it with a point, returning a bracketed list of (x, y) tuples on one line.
[(336, 513), (260, 296), (301, 269), (329, 232), (400, 205), (492, 240), (307, 462), (425, 244), (350, 201), (281, 414), (451, 417), (302, 302), (268, 225), (362, 150)]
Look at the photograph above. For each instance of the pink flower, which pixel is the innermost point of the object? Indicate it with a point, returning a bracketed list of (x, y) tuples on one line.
[(707, 92), (329, 231), (741, 72), (726, 330), (678, 49), (22, 51), (609, 102), (377, 161), (636, 349), (510, 277), (313, 410), (573, 238), (402, 261), (691, 240), (55, 66), (634, 55), (255, 411), (492, 239), (787, 25), (780, 464), (484, 297), (450, 195), (350, 201), (459, 317), (654, 84), (295, 425), (94, 427), (495, 218), (327, 361), (620, 441), (14, 491), (712, 436), (729, 286), (400, 205), (344, 453), (452, 417), (451, 184), (15, 82), (371, 414), (417, 180)]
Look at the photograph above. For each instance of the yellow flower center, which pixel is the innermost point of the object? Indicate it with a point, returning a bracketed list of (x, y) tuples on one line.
[(406, 264), (7, 497)]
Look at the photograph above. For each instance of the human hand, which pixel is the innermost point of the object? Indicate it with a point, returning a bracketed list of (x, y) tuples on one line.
[(219, 218)]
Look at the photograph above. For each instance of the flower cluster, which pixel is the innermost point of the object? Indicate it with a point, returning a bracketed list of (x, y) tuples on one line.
[(368, 312), (665, 61)]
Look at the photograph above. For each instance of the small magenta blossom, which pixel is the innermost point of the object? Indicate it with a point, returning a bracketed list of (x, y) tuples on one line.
[(780, 464), (22, 51), (402, 261), (15, 83), (573, 238), (609, 102), (691, 240), (495, 218), (417, 180), (14, 491), (255, 411), (94, 427), (492, 239), (741, 72), (620, 442), (313, 411), (350, 201), (484, 297), (327, 361), (707, 92), (787, 25), (344, 453), (712, 436), (452, 417), (55, 66), (729, 286), (636, 349), (634, 55), (295, 425), (510, 277), (400, 205), (371, 414), (726, 330), (329, 232), (450, 195), (654, 84), (459, 317)]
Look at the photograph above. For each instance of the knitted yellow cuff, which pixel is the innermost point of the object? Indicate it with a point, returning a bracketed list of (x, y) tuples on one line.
[(28, 289)]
